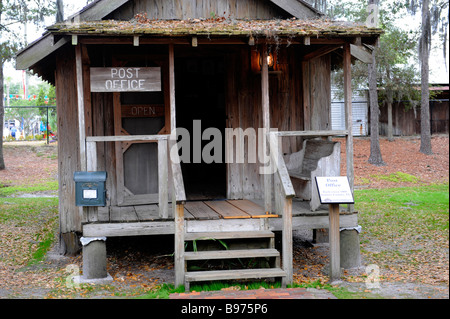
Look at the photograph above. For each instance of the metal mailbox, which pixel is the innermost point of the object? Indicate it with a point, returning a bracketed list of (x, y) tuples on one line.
[(90, 188)]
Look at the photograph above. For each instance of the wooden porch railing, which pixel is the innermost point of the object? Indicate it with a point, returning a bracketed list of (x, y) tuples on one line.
[(178, 201), (178, 192), (284, 190), (163, 166)]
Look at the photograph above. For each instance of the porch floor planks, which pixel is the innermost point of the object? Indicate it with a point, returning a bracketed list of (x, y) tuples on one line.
[(151, 212), (227, 210), (199, 210), (187, 214), (123, 214), (147, 212), (251, 208), (193, 210)]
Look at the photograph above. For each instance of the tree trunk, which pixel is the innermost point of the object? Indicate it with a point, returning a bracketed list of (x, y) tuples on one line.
[(425, 130), (59, 11), (2, 121), (390, 134), (375, 151), (389, 100)]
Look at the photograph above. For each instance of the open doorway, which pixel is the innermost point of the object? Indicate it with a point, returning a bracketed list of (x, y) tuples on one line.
[(200, 95)]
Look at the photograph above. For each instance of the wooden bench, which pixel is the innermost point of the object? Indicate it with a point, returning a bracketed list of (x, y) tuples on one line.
[(317, 158)]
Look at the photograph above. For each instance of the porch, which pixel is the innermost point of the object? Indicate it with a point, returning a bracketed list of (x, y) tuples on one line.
[(200, 216), (191, 220)]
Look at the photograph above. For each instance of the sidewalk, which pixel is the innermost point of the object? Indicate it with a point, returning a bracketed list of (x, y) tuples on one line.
[(278, 293)]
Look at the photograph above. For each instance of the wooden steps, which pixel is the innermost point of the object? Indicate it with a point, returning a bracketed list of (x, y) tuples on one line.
[(233, 274), (267, 253), (230, 254), (228, 235)]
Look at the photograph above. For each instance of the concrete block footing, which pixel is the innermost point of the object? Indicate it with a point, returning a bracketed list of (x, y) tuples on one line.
[(94, 260), (349, 246), (96, 281)]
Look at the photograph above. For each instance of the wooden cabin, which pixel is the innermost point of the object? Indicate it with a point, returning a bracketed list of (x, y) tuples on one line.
[(128, 73)]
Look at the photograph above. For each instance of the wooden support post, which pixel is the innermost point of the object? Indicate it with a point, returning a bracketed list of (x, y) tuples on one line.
[(136, 40), (266, 126), (307, 41), (287, 242), (172, 88), (91, 159), (306, 96), (91, 156), (80, 99), (179, 242), (118, 148), (348, 116), (163, 178), (277, 187), (335, 259)]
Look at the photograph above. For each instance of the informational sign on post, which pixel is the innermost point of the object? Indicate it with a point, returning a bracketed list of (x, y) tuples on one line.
[(334, 190)]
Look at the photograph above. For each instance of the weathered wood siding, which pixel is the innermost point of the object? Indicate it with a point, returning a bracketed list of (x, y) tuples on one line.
[(68, 142), (317, 93), (103, 125), (195, 9)]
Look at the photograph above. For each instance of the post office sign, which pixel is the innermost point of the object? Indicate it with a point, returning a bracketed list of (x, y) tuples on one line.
[(334, 190), (126, 79)]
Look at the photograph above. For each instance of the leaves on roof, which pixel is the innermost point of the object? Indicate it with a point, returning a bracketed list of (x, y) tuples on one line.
[(217, 26)]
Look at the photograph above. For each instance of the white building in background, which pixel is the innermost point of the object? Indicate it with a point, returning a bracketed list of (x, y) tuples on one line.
[(360, 113)]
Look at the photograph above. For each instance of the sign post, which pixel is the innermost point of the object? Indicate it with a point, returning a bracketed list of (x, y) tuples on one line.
[(334, 190)]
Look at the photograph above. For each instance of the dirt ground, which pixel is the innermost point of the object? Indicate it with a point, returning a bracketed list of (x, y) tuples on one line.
[(400, 155), (138, 264)]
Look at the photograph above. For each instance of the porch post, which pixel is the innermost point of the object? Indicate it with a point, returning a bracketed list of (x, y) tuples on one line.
[(80, 98), (178, 212), (287, 242), (177, 207), (83, 211), (348, 116), (266, 126), (172, 87), (334, 239)]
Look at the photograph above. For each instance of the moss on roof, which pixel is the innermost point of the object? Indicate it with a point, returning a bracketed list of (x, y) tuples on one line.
[(217, 27)]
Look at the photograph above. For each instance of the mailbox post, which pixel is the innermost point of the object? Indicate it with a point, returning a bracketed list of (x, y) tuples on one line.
[(90, 192)]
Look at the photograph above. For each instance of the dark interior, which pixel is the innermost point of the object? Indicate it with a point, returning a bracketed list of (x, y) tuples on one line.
[(200, 88)]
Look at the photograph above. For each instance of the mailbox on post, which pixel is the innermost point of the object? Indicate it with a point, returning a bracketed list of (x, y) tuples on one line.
[(90, 188)]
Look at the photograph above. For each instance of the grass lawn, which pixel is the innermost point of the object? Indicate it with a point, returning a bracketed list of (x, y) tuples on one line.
[(405, 231), (28, 229)]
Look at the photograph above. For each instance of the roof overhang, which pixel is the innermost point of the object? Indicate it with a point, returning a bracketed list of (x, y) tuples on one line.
[(218, 27), (318, 31)]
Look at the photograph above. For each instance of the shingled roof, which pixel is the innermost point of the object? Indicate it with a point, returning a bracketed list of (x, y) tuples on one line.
[(216, 27)]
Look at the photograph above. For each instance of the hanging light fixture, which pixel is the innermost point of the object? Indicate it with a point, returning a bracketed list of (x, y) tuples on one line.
[(270, 61)]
